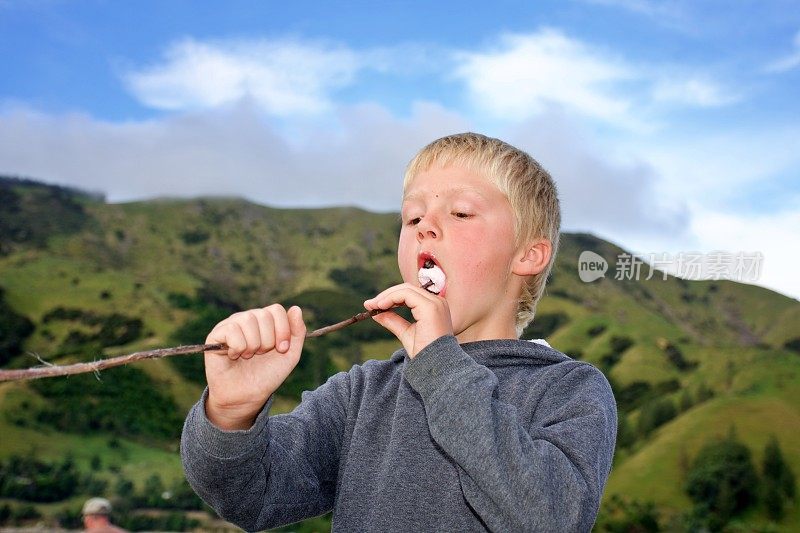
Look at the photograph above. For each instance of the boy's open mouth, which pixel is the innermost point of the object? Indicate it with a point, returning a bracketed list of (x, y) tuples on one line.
[(431, 276)]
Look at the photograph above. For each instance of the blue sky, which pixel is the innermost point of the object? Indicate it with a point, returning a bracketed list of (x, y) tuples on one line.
[(669, 126)]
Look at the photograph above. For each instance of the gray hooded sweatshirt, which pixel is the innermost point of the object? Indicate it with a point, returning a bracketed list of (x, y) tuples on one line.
[(500, 435)]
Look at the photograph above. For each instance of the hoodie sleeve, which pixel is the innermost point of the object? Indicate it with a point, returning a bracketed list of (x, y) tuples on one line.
[(545, 474), (281, 470)]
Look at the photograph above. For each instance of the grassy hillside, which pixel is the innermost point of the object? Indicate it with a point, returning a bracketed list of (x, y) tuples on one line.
[(80, 279)]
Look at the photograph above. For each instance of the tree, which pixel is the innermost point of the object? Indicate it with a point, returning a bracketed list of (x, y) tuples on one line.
[(14, 329), (773, 500), (686, 401), (722, 479), (654, 414), (625, 433), (779, 480), (123, 488), (153, 491), (703, 393), (629, 516)]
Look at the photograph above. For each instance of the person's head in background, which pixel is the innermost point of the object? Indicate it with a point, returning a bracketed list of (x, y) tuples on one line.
[(97, 515), (529, 198)]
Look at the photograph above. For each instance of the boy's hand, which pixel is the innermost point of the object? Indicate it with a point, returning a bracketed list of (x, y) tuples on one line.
[(430, 312), (264, 346)]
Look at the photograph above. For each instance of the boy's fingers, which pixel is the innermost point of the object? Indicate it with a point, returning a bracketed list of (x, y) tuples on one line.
[(282, 330), (404, 294), (251, 330), (217, 336), (231, 334), (266, 330), (390, 295)]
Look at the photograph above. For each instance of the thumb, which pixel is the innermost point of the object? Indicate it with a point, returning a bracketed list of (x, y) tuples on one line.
[(297, 327)]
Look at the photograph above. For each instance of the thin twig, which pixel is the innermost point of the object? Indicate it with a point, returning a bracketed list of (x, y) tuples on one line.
[(344, 323), (51, 370)]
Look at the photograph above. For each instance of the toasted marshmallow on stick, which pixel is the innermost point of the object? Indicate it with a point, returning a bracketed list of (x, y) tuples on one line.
[(431, 277)]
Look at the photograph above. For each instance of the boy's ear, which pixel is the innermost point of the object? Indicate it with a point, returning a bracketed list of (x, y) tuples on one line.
[(533, 258)]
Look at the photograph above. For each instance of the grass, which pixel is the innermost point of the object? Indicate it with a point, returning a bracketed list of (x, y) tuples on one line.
[(760, 399), (644, 362), (135, 461), (657, 469)]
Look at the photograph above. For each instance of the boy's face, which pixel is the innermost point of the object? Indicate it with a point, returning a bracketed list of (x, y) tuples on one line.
[(465, 224)]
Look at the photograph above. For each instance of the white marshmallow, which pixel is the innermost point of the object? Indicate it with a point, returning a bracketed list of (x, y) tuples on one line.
[(434, 274)]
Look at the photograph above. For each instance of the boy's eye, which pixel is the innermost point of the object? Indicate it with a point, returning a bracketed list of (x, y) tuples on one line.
[(459, 214), (414, 221)]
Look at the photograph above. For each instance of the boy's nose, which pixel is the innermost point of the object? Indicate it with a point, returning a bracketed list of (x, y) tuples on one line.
[(427, 229), (430, 234)]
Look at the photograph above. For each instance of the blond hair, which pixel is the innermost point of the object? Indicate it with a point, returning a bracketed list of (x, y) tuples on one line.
[(529, 188)]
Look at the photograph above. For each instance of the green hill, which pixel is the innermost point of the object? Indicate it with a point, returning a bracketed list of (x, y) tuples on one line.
[(81, 278)]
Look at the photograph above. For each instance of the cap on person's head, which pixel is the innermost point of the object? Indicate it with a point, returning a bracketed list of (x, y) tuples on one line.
[(97, 506)]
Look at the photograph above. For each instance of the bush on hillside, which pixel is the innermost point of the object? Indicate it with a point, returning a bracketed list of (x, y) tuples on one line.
[(14, 329), (621, 515), (793, 344), (18, 515), (31, 212), (323, 307), (625, 434), (617, 345), (655, 414), (594, 331), (107, 330), (637, 393), (363, 281), (676, 358), (29, 479), (686, 402), (544, 325), (779, 480), (194, 331), (722, 481), (122, 401)]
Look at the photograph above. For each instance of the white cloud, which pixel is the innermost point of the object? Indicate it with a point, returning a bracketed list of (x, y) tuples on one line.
[(598, 194), (520, 76), (716, 168), (524, 75), (690, 91), (282, 77), (788, 62), (772, 234), (527, 73), (358, 160), (715, 175)]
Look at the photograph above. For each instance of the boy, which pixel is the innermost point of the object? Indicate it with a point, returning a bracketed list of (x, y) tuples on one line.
[(467, 428)]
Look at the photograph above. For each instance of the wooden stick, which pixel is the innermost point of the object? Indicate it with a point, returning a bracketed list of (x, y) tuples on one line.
[(344, 323), (49, 370)]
